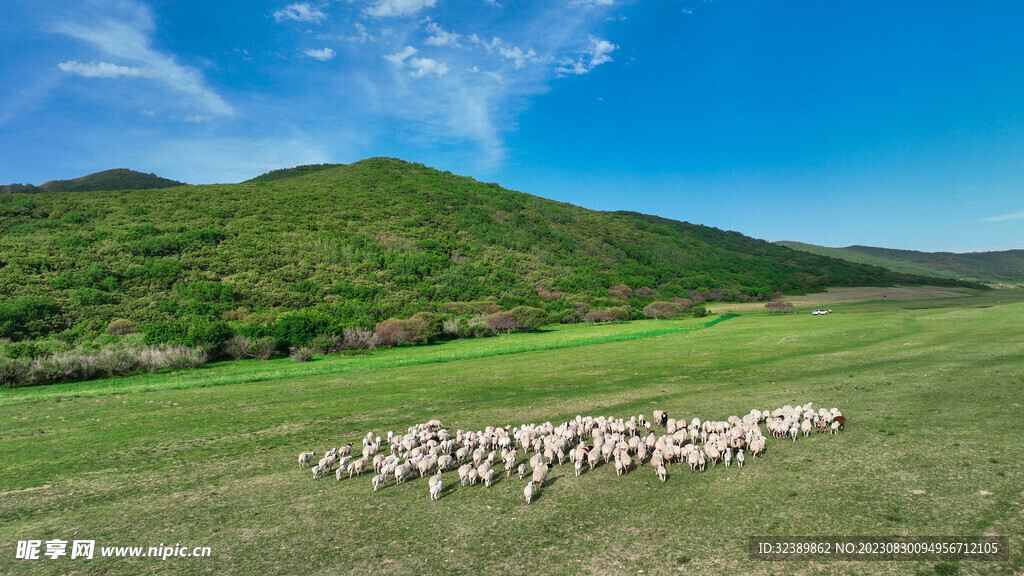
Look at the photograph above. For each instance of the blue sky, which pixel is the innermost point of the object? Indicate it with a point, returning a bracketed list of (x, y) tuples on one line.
[(894, 124)]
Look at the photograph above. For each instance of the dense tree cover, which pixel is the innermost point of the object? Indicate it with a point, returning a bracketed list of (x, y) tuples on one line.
[(316, 250)]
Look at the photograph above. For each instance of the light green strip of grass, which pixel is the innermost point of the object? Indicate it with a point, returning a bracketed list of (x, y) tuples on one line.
[(222, 373)]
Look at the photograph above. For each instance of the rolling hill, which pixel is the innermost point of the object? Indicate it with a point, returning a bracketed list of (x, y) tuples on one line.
[(1003, 266), (360, 243), (116, 179)]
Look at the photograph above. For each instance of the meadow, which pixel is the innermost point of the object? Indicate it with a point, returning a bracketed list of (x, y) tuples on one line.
[(933, 447)]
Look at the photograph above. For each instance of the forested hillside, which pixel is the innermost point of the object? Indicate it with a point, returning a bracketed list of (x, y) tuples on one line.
[(356, 244)]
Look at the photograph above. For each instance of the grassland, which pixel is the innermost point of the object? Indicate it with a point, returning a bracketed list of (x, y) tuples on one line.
[(933, 448)]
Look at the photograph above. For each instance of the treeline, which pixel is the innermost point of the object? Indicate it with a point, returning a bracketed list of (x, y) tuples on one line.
[(126, 347)]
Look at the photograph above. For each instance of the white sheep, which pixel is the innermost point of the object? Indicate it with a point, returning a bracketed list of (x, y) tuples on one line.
[(318, 471), (305, 458), (464, 473), (377, 481), (528, 492), (522, 471), (740, 459), (540, 475), (435, 491), (662, 473), (488, 476)]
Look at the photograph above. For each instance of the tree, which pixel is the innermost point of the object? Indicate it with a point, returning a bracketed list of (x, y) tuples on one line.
[(620, 291), (529, 318), (659, 310)]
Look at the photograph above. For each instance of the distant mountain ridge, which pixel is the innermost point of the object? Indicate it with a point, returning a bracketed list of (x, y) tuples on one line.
[(1001, 266), (116, 179)]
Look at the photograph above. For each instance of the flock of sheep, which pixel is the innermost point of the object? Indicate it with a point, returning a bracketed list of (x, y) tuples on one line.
[(430, 449)]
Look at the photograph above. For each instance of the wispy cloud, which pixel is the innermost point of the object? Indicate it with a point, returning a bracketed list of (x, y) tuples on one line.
[(123, 33), (394, 8), (440, 36), (105, 70), (597, 54), (593, 2), (418, 67), (322, 54), (300, 12), (1017, 216)]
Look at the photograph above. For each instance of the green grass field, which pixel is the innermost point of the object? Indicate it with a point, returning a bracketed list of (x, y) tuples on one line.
[(933, 447)]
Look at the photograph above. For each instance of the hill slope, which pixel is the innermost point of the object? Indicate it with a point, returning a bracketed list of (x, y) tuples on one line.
[(361, 242), (116, 179), (1004, 266)]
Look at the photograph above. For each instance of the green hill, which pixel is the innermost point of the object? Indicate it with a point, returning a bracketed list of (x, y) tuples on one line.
[(360, 243), (116, 179), (1004, 266)]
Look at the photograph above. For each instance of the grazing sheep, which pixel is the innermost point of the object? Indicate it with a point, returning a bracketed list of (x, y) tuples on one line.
[(435, 491), (464, 473), (377, 480), (540, 475), (473, 477), (305, 458), (318, 471), (713, 453), (740, 459), (693, 459), (522, 471), (356, 467), (435, 479), (822, 426), (841, 420), (528, 492), (805, 427), (662, 473), (579, 468), (834, 427), (488, 476), (328, 462), (727, 457)]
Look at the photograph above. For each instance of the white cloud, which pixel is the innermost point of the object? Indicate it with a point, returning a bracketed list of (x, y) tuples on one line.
[(441, 37), (427, 67), (419, 67), (597, 54), (398, 59), (593, 2), (516, 55), (104, 70), (300, 12), (393, 8), (1017, 216), (323, 54), (126, 36), (197, 118)]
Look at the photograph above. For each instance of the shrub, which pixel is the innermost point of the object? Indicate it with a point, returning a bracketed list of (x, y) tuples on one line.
[(659, 310), (425, 326), (779, 307), (325, 344), (299, 328), (121, 327), (545, 294), (237, 347), (699, 310), (684, 303), (391, 332), (620, 291), (645, 291), (529, 318), (14, 372), (181, 357), (358, 339), (501, 322), (300, 354), (611, 314), (262, 348)]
